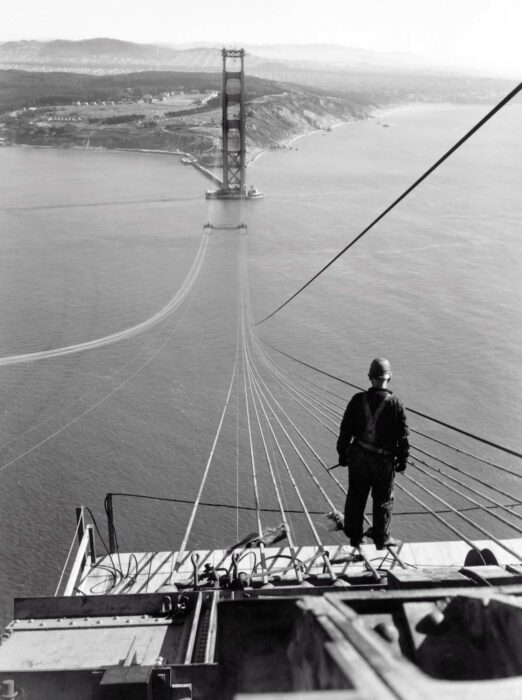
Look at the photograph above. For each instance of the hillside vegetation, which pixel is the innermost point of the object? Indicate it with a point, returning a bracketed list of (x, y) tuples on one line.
[(173, 110), (161, 110)]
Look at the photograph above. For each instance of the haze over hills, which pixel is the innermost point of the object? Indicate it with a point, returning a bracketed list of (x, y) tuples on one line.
[(378, 77), (104, 55), (108, 92)]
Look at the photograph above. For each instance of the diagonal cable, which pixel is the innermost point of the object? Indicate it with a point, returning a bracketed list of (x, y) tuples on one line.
[(417, 182)]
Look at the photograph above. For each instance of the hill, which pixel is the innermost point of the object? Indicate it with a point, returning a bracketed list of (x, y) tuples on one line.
[(21, 89), (354, 73), (158, 110)]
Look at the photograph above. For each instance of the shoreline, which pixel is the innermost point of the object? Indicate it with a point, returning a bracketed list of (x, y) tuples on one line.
[(288, 144), (412, 108), (378, 113)]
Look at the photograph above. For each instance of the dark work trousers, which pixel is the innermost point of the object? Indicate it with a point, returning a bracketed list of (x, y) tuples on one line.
[(366, 472)]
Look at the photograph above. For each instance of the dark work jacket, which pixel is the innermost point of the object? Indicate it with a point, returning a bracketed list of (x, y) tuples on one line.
[(391, 431)]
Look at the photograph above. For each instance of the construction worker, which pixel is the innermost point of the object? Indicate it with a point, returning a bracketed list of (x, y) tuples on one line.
[(373, 444)]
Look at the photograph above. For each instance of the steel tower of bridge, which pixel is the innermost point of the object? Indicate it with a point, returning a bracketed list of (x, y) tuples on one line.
[(233, 121)]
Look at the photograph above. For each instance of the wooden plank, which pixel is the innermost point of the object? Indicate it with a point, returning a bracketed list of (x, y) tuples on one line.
[(426, 578), (496, 575), (149, 571)]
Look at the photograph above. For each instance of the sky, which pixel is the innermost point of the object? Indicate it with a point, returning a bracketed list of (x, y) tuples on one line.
[(479, 34)]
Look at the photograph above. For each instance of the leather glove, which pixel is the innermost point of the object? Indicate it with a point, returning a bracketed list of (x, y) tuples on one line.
[(400, 465), (343, 462)]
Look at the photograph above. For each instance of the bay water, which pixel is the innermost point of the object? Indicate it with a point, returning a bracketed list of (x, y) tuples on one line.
[(94, 242)]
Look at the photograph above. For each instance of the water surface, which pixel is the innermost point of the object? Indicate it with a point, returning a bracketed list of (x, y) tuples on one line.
[(96, 242)]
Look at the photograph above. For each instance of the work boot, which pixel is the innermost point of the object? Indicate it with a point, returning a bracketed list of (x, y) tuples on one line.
[(387, 542)]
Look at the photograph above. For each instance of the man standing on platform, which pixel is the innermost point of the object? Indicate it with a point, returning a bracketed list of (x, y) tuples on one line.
[(373, 444)]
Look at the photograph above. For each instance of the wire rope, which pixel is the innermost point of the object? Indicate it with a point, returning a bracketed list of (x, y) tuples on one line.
[(292, 443), (107, 396), (465, 518), (438, 517), (499, 505), (252, 454), (173, 304), (464, 473), (296, 489), (480, 506), (417, 182), (502, 448), (470, 488), (468, 454), (304, 395), (176, 560), (269, 460)]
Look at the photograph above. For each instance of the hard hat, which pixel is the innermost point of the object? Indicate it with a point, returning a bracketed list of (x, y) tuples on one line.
[(380, 369)]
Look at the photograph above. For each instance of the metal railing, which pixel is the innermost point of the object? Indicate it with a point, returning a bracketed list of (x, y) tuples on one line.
[(84, 535)]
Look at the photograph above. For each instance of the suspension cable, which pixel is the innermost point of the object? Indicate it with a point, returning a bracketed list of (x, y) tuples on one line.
[(442, 520), (463, 472), (316, 455), (465, 517), (468, 454), (288, 437), (299, 389), (411, 410), (267, 362), (417, 182), (252, 455), (291, 544), (298, 493), (475, 491), (176, 560), (480, 506), (338, 413), (255, 400), (296, 393)]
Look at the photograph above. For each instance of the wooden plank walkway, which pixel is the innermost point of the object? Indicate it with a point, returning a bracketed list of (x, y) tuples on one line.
[(148, 572)]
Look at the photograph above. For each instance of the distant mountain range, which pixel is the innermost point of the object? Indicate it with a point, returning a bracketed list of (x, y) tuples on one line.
[(356, 74), (103, 55)]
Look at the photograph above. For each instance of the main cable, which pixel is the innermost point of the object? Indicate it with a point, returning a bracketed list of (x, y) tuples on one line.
[(417, 182)]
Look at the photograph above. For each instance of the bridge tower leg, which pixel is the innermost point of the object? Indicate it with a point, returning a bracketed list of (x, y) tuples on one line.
[(233, 126), (233, 122)]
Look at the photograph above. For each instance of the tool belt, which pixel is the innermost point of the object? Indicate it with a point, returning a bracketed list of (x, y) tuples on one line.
[(375, 450)]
